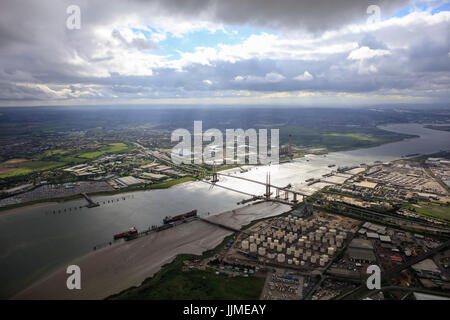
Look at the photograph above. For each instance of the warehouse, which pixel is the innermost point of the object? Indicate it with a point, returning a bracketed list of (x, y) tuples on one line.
[(361, 255), (361, 244), (129, 181)]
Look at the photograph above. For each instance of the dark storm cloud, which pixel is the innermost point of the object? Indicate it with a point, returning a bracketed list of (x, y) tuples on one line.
[(36, 48)]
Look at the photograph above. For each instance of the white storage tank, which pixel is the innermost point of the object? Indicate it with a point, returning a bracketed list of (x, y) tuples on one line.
[(289, 261), (281, 258), (262, 251), (253, 248)]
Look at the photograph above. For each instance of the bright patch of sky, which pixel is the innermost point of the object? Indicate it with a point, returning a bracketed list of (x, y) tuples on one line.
[(172, 45), (431, 6)]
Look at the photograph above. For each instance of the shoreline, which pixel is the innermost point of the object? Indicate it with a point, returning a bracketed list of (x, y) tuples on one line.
[(113, 269), (47, 201), (6, 209)]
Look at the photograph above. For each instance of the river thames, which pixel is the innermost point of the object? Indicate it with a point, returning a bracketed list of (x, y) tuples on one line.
[(34, 241)]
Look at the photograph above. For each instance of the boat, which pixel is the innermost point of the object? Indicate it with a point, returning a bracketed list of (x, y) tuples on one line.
[(127, 234), (331, 166), (179, 217)]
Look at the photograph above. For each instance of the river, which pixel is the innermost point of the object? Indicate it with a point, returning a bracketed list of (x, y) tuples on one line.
[(34, 241)]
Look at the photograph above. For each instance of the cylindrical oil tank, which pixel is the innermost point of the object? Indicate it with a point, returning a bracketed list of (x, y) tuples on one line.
[(262, 251)]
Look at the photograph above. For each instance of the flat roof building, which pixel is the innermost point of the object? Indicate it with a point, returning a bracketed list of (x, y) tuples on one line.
[(129, 181)]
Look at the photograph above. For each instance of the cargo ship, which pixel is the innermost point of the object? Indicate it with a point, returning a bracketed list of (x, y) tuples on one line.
[(179, 217), (127, 234)]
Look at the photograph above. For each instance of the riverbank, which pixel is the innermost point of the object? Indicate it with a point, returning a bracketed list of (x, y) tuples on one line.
[(113, 269), (46, 201)]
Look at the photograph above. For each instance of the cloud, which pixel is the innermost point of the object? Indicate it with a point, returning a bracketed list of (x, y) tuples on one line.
[(366, 53), (306, 76), (315, 47), (271, 77)]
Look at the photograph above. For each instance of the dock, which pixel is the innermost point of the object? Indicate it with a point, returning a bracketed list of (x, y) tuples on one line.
[(91, 203)]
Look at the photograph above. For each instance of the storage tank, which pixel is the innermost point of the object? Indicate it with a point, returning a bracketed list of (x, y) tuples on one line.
[(244, 245), (281, 258), (331, 251), (252, 239), (262, 251), (313, 259), (302, 263), (253, 248), (279, 248), (289, 261)]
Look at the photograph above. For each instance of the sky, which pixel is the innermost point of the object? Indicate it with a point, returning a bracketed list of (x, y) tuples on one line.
[(239, 52)]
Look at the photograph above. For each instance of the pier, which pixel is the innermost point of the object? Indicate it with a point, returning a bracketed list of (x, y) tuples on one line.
[(91, 203)]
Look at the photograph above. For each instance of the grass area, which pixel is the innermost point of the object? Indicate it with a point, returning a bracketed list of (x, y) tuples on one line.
[(76, 157), (110, 148), (433, 209), (175, 284), (338, 139), (51, 153), (23, 168), (169, 183)]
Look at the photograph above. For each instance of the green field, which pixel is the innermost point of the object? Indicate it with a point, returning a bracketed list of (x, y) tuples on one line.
[(337, 139), (76, 157), (31, 166), (170, 183), (173, 283), (433, 209), (110, 148)]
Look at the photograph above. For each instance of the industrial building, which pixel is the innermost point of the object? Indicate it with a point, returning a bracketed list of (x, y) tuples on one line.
[(129, 181)]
